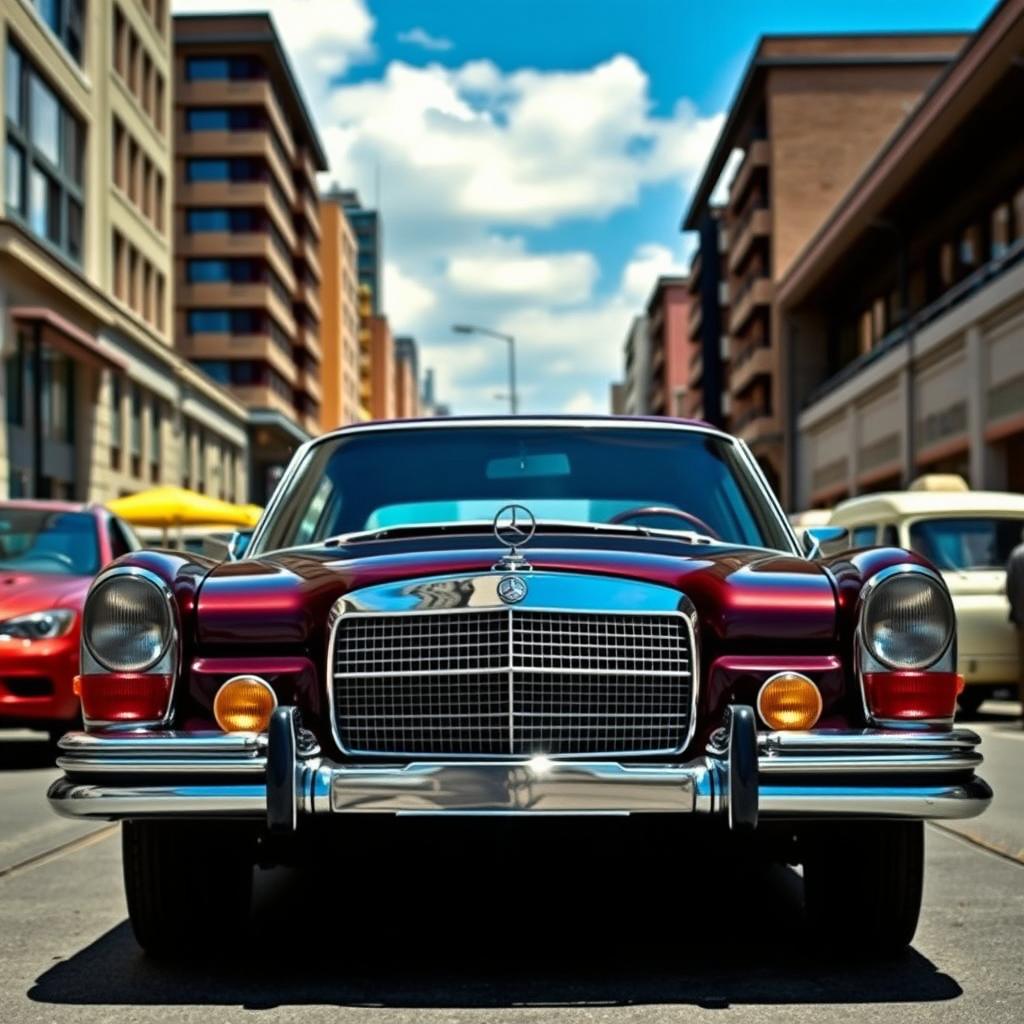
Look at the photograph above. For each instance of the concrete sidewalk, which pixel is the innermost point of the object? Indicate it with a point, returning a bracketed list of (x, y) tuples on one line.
[(1001, 827)]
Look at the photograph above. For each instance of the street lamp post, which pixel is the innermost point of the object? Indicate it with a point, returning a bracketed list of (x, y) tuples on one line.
[(513, 396)]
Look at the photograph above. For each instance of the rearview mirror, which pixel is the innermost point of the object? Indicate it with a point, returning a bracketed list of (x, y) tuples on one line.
[(816, 537), (238, 544)]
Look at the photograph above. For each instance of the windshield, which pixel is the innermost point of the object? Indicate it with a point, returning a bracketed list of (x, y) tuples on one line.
[(39, 540), (977, 542), (400, 478)]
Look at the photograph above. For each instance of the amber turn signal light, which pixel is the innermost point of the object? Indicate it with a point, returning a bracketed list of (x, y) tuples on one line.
[(244, 704), (789, 700)]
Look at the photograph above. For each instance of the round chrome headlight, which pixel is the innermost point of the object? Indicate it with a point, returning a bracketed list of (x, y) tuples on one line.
[(127, 623), (908, 621)]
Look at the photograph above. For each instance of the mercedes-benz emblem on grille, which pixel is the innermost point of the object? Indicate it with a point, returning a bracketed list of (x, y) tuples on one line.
[(511, 589), (514, 526)]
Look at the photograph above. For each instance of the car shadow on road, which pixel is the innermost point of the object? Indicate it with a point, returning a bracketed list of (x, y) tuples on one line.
[(22, 753), (544, 926)]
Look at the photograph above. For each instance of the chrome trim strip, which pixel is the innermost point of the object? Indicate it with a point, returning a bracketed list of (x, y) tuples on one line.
[(361, 602), (167, 743), (149, 765), (866, 764), (535, 787), (961, 800), (867, 740), (80, 800)]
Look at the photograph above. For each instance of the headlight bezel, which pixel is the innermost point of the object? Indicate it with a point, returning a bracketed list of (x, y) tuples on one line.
[(166, 659), (870, 592)]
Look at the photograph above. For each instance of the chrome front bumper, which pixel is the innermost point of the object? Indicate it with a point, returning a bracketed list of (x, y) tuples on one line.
[(862, 774)]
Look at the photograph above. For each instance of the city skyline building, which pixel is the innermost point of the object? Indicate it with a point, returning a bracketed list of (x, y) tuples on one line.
[(367, 226), (247, 229), (340, 328)]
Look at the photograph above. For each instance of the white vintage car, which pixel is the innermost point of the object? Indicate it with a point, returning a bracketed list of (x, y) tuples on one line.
[(968, 536)]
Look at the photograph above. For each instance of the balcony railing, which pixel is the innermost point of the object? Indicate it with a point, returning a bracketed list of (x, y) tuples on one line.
[(960, 292)]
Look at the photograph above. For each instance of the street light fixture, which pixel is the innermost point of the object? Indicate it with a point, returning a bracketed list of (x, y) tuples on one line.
[(513, 397)]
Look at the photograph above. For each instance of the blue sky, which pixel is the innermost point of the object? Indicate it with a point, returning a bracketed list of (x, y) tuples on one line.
[(535, 158)]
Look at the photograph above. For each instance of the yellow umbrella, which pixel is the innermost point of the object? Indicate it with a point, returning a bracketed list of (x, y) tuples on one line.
[(175, 506), (252, 512)]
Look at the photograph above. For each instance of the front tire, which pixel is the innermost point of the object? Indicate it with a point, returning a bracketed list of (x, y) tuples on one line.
[(863, 882), (187, 884)]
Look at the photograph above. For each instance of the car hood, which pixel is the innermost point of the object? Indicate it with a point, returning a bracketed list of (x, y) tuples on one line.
[(25, 592), (739, 593)]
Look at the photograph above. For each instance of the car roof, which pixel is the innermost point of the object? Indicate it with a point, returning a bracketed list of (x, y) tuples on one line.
[(46, 505), (915, 503), (558, 419)]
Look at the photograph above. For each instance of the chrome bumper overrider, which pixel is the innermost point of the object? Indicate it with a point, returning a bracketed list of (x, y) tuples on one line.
[(868, 773)]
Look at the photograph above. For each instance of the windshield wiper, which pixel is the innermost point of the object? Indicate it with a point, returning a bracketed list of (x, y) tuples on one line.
[(559, 525)]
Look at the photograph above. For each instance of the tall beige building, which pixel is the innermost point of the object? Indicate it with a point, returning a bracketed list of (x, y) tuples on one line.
[(339, 296), (97, 403)]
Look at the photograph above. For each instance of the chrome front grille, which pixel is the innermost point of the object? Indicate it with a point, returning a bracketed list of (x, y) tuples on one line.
[(512, 681)]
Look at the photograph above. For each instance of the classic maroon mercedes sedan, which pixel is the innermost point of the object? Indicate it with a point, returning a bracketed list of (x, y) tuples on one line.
[(521, 617)]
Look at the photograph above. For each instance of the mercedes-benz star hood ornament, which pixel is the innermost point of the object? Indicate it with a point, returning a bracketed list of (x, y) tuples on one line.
[(514, 526)]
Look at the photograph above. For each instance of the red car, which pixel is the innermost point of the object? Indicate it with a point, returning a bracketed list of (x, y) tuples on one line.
[(521, 617), (49, 553)]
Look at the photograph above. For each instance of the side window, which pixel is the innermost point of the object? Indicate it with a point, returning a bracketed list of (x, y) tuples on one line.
[(890, 536), (863, 536), (122, 540)]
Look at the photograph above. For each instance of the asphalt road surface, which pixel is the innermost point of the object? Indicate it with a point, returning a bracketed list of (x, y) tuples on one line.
[(607, 929)]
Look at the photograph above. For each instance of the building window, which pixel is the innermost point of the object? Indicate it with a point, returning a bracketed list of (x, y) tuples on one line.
[(199, 69), (158, 102), (223, 119), (14, 391), (135, 428), (237, 169), (57, 396), (116, 421), (160, 300), (133, 278), (67, 22), (155, 423), (1001, 231), (43, 159), (226, 321)]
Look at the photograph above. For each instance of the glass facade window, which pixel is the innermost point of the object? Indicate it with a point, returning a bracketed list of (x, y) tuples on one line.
[(199, 69), (237, 169), (236, 220), (236, 271), (223, 119), (226, 321), (43, 158), (66, 20), (57, 395)]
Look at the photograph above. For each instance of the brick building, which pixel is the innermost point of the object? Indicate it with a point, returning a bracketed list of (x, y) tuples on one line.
[(810, 113)]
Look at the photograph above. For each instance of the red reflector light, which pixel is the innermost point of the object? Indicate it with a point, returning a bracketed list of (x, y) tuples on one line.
[(124, 696), (912, 696)]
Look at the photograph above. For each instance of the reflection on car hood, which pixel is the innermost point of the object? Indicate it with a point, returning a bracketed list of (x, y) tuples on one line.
[(24, 592), (740, 593)]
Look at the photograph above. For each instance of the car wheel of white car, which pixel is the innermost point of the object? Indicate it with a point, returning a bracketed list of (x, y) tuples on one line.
[(863, 883)]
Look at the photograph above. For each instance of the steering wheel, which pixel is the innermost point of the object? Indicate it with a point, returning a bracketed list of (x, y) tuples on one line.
[(665, 510)]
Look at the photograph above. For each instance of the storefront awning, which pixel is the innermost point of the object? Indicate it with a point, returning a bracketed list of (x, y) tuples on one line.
[(61, 334)]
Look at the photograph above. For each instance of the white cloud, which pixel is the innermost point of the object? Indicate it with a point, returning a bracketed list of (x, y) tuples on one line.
[(406, 299), (480, 173), (422, 38), (504, 269)]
